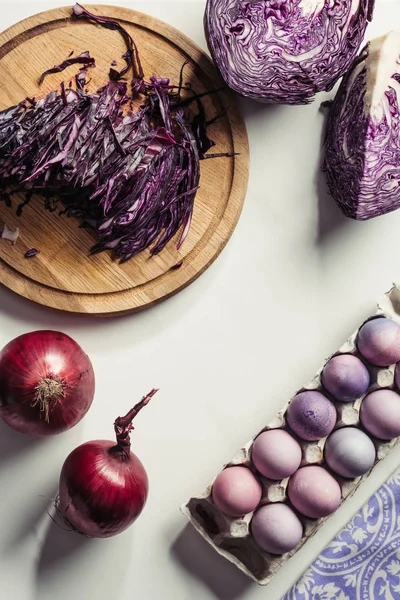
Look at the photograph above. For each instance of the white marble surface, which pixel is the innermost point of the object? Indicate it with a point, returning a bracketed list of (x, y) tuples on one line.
[(293, 282)]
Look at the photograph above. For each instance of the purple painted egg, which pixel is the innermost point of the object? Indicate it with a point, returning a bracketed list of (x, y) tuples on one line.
[(349, 452), (276, 454), (379, 341), (380, 414), (276, 528), (236, 491), (314, 492), (311, 415), (345, 377)]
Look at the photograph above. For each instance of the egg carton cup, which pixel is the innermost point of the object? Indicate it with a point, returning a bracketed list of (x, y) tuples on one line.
[(231, 537)]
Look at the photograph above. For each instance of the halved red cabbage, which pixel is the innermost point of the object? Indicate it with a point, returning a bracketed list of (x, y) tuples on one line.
[(284, 51), (362, 147)]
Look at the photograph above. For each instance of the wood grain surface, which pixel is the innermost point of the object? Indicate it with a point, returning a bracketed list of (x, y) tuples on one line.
[(64, 276)]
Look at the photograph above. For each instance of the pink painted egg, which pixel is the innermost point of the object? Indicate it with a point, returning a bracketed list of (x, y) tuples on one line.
[(379, 341), (236, 491), (314, 492), (380, 414), (276, 454)]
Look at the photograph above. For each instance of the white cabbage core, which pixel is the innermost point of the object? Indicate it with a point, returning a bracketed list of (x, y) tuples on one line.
[(310, 9), (311, 6), (382, 62)]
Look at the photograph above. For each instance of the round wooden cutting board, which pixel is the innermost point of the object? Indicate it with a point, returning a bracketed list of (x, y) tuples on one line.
[(64, 276)]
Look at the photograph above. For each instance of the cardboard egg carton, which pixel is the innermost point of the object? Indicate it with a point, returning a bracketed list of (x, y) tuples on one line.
[(232, 537)]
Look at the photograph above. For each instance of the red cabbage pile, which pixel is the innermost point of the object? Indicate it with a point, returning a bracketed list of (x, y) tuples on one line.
[(362, 148), (131, 174), (285, 51)]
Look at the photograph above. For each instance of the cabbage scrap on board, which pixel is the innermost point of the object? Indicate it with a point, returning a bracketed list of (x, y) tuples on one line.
[(362, 146), (285, 51)]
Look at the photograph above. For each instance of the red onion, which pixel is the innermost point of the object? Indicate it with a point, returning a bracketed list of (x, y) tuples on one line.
[(103, 485), (46, 383)]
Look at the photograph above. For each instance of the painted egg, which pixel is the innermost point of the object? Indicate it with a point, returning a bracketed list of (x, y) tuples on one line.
[(314, 492), (311, 415), (236, 491), (349, 452), (276, 528), (379, 341), (380, 414), (345, 377), (276, 454)]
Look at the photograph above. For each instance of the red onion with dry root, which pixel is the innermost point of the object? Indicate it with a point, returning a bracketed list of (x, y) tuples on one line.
[(46, 383), (103, 485)]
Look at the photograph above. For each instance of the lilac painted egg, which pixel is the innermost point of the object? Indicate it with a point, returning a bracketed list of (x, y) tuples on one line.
[(276, 528), (276, 454), (379, 341), (345, 377), (349, 452), (380, 414), (236, 491), (314, 492), (311, 415)]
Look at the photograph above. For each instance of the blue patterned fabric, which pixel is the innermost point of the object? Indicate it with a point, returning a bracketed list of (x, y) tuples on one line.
[(363, 560)]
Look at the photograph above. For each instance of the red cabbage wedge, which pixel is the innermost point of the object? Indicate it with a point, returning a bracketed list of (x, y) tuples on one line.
[(285, 51), (362, 147)]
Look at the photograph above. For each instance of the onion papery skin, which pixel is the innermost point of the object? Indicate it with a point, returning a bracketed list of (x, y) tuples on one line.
[(362, 145), (284, 51), (103, 489), (40, 356)]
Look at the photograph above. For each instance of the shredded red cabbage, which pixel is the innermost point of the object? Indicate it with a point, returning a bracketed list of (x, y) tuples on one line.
[(132, 175)]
